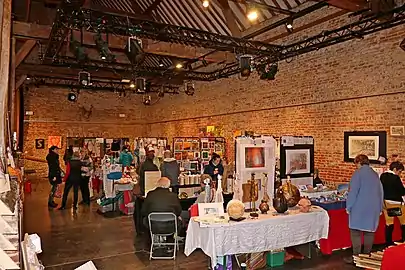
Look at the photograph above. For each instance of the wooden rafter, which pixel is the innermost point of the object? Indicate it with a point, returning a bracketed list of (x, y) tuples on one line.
[(28, 10), (136, 7), (230, 18), (24, 51), (350, 5), (152, 7)]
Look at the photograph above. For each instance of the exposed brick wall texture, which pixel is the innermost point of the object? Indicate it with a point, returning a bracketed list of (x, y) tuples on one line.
[(357, 85), (55, 115)]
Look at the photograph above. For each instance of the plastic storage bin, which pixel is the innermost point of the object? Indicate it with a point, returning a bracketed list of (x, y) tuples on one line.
[(275, 258)]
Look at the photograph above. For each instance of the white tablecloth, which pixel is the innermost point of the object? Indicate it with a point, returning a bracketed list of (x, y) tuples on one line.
[(268, 232)]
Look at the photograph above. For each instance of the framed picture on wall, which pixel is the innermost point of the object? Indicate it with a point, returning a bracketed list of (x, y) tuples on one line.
[(397, 130), (298, 161), (373, 144)]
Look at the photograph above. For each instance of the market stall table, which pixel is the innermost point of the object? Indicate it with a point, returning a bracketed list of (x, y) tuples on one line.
[(393, 258), (339, 233), (268, 232)]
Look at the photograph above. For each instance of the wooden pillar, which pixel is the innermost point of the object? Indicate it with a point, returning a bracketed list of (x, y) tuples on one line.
[(5, 8), (12, 89)]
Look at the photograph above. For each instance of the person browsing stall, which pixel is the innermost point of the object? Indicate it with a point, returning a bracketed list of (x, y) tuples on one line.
[(72, 178), (170, 168), (364, 206), (214, 168), (394, 191), (126, 157), (54, 174)]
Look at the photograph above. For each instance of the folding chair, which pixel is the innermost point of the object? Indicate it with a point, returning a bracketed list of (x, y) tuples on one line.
[(162, 225)]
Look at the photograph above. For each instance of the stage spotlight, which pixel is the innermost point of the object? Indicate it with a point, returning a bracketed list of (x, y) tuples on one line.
[(402, 45), (147, 100), (252, 14), (132, 85), (189, 88), (134, 51), (179, 65), (77, 50), (84, 78), (102, 47), (268, 72), (245, 62), (72, 97), (206, 3), (289, 25), (140, 85)]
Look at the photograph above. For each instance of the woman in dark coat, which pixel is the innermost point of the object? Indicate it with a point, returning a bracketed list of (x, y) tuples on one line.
[(54, 174), (72, 178)]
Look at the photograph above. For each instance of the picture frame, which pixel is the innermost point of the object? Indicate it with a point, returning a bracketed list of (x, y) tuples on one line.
[(39, 143), (255, 157), (397, 130), (210, 209), (373, 144), (205, 155), (298, 161)]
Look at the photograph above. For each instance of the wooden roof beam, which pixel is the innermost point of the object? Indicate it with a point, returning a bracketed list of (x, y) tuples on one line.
[(152, 7), (24, 51), (264, 6), (349, 5), (230, 18)]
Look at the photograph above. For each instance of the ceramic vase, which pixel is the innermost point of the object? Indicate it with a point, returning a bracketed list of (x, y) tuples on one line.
[(264, 207), (280, 202), (291, 193)]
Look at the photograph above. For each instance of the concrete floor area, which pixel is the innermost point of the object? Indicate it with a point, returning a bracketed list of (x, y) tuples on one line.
[(69, 240)]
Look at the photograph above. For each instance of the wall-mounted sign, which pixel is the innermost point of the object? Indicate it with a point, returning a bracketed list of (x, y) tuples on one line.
[(39, 143), (55, 141)]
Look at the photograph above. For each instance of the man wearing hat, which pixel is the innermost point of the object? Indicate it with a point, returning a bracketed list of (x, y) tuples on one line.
[(146, 166), (54, 174)]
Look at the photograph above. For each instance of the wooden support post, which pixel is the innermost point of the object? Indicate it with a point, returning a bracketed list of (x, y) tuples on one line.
[(230, 18), (12, 97), (4, 71)]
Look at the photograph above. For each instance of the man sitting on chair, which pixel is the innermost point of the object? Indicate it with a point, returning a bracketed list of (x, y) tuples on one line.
[(161, 200)]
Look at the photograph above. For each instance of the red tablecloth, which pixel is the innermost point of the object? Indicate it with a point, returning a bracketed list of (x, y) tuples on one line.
[(394, 258), (339, 234)]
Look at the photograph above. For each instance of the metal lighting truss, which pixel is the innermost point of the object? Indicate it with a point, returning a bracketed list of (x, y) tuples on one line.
[(104, 85), (327, 38), (71, 16)]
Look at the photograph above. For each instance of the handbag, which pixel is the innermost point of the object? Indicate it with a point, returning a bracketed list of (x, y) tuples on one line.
[(394, 211)]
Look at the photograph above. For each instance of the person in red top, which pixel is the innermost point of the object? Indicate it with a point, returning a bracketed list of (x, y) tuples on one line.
[(72, 179)]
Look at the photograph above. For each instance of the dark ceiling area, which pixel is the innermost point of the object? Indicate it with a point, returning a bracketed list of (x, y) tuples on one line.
[(169, 42)]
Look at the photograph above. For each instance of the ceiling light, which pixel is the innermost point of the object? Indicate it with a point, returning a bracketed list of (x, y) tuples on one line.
[(102, 57), (189, 88), (125, 80), (28, 78), (132, 85), (252, 14), (289, 25), (179, 65), (206, 3), (161, 64), (245, 65), (146, 100), (72, 97)]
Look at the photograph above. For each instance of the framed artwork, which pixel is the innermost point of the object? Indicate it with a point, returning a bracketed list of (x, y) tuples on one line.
[(205, 155), (205, 145), (178, 146), (39, 143), (397, 130), (254, 157), (298, 161), (55, 141), (210, 209), (196, 154), (370, 143)]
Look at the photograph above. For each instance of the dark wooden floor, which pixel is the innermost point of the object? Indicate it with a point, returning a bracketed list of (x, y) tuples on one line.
[(69, 240)]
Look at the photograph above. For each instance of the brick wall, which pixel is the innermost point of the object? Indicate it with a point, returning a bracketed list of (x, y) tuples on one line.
[(55, 115), (357, 85)]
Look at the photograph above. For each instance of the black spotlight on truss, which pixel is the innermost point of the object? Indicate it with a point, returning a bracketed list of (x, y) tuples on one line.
[(245, 65), (77, 50), (402, 45), (146, 100), (189, 88), (102, 47), (267, 71), (84, 78), (72, 97), (134, 51), (140, 85)]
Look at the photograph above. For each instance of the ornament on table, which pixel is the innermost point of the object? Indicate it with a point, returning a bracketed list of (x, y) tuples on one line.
[(235, 210), (236, 190), (305, 205), (218, 194), (264, 206), (280, 203), (291, 192), (183, 195), (251, 194)]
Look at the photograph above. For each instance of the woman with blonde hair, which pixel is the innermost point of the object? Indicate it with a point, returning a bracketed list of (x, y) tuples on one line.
[(364, 205)]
